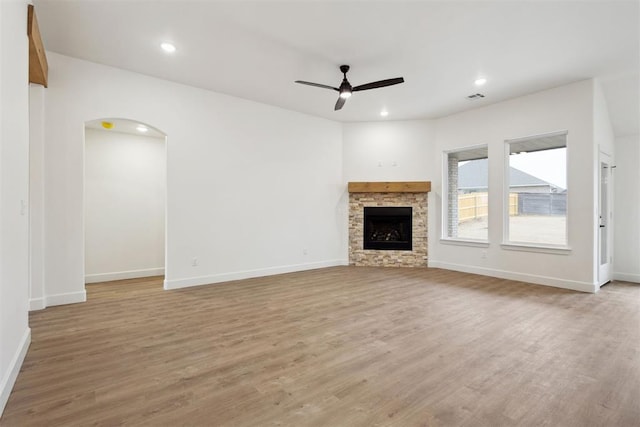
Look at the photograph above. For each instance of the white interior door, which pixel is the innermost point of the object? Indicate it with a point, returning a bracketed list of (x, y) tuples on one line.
[(605, 235)]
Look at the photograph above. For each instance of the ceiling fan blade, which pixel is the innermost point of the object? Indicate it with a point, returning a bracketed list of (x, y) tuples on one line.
[(380, 83), (318, 85), (340, 103)]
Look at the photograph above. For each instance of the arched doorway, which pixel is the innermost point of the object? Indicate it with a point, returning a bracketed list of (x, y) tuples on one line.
[(124, 200)]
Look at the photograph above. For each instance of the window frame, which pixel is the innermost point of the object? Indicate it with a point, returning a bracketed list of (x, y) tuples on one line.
[(444, 234), (561, 249)]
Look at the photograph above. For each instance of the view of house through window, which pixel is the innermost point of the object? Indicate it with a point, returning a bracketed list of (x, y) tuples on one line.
[(467, 177), (537, 190)]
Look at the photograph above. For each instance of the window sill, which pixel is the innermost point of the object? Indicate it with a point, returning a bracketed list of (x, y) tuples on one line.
[(556, 250), (461, 242)]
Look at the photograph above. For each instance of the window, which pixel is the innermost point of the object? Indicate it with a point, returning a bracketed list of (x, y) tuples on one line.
[(466, 208), (536, 190)]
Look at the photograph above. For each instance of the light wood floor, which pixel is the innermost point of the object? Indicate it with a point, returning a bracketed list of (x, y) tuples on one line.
[(343, 346)]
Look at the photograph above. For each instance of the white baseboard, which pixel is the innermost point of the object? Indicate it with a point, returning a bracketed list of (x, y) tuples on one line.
[(627, 277), (37, 304), (521, 277), (248, 274), (9, 378), (69, 298), (121, 275), (58, 299)]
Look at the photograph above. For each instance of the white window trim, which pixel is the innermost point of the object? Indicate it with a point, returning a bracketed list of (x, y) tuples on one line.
[(479, 243), (526, 246), (536, 136), (444, 237), (530, 247)]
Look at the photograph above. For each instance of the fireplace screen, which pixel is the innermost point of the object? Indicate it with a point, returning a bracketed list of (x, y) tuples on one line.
[(388, 228)]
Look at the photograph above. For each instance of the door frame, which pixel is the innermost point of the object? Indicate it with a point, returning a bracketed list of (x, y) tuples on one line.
[(605, 219)]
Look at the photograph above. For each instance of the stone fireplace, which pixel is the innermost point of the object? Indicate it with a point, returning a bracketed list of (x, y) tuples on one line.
[(388, 223)]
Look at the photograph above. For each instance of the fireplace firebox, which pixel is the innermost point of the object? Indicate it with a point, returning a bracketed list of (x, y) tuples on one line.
[(387, 228)]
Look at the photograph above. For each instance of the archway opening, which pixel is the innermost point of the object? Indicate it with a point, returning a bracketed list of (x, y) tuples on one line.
[(124, 201)]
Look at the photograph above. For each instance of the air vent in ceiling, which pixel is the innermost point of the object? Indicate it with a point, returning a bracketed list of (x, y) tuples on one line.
[(475, 96)]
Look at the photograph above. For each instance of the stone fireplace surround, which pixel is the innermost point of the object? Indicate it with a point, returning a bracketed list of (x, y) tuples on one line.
[(365, 194)]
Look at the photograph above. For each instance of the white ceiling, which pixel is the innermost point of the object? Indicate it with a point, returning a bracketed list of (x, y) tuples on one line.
[(256, 49)]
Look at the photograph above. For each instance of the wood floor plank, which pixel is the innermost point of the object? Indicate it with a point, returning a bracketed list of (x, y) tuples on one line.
[(344, 346)]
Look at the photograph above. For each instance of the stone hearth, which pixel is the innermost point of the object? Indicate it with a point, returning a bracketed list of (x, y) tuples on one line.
[(409, 194)]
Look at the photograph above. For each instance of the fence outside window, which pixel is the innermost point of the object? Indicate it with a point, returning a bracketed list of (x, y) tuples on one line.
[(476, 205)]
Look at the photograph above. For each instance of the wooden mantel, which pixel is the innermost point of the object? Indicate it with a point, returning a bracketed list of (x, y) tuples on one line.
[(390, 187), (38, 67)]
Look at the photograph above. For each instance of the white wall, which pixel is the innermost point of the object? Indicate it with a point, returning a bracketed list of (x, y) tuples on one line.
[(36, 197), (14, 193), (252, 189), (124, 190), (566, 108), (626, 264), (602, 130), (388, 151)]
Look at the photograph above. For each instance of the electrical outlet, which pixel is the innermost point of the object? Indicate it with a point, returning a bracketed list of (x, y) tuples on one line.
[(194, 262), (304, 251), (484, 255)]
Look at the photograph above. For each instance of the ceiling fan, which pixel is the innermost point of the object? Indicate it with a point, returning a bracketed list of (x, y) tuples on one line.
[(346, 89)]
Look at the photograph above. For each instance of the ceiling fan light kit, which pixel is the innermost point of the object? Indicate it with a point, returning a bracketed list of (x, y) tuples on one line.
[(346, 90)]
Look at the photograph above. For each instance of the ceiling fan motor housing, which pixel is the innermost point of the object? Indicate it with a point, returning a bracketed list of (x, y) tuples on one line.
[(345, 89), (345, 86)]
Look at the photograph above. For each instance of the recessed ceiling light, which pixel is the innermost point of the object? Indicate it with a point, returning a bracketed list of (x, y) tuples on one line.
[(141, 128), (384, 113), (168, 47), (480, 81)]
